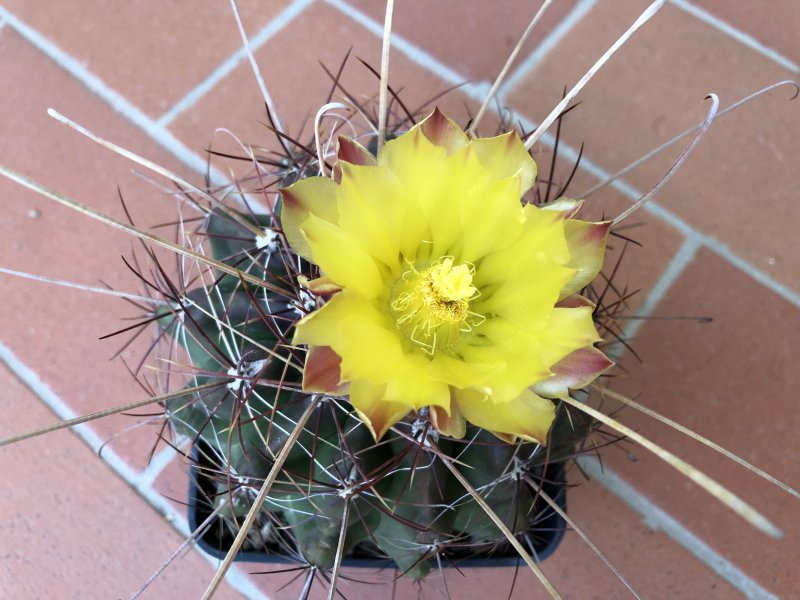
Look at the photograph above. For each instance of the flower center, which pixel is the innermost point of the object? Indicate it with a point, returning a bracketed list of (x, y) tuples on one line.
[(432, 306)]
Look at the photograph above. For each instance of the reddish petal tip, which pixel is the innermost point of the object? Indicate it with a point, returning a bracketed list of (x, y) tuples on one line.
[(443, 132), (323, 372), (348, 150)]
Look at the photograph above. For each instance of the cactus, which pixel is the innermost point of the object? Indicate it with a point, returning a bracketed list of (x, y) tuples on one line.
[(400, 500), (275, 436), (343, 489)]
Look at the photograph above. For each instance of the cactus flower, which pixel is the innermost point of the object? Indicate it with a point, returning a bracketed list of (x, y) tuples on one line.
[(443, 289)]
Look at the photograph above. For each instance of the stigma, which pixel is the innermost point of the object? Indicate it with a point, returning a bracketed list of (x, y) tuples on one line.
[(432, 306)]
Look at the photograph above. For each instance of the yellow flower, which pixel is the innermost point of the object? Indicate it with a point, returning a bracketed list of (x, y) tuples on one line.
[(444, 290)]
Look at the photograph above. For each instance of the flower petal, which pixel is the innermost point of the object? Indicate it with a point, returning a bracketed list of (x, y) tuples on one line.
[(528, 416), (523, 367), (313, 195), (453, 425), (567, 330), (341, 258), (505, 156), (443, 132), (414, 388), (410, 156), (372, 351), (528, 292), (587, 247), (349, 150), (573, 372), (567, 206), (491, 218), (322, 372), (452, 194), (372, 211), (542, 233), (575, 301), (321, 286), (377, 413), (462, 374), (365, 338), (425, 179)]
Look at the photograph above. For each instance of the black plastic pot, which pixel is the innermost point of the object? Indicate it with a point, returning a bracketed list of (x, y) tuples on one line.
[(549, 530)]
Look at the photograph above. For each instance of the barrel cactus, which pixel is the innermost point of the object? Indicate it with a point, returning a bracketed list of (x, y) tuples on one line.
[(395, 322), (391, 360)]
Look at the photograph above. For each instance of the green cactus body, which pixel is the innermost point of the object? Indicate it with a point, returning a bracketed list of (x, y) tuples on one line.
[(399, 498)]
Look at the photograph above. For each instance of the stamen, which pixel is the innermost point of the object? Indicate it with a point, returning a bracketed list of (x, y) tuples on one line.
[(433, 304)]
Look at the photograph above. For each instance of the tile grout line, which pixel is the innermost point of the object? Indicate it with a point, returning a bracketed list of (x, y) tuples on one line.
[(266, 33), (677, 265), (419, 56), (120, 104), (142, 482), (659, 520), (138, 481), (138, 118), (113, 98), (478, 91), (723, 251), (543, 48), (740, 36), (413, 52), (160, 461), (694, 240), (716, 246)]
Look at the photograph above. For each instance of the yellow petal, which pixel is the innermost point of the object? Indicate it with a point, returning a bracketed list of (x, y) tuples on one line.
[(506, 156), (372, 211), (313, 195), (341, 258), (528, 292), (542, 232), (491, 217), (376, 412), (349, 150), (587, 247), (516, 350), (372, 351), (567, 330), (447, 193), (462, 374), (573, 372), (425, 178), (410, 155), (413, 387), (453, 424), (528, 416), (569, 207), (366, 339), (443, 132)]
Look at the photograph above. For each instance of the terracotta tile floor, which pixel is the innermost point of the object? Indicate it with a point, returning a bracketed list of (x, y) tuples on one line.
[(720, 241)]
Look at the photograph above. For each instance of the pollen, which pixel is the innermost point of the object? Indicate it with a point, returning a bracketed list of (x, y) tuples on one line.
[(432, 306), (448, 283)]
